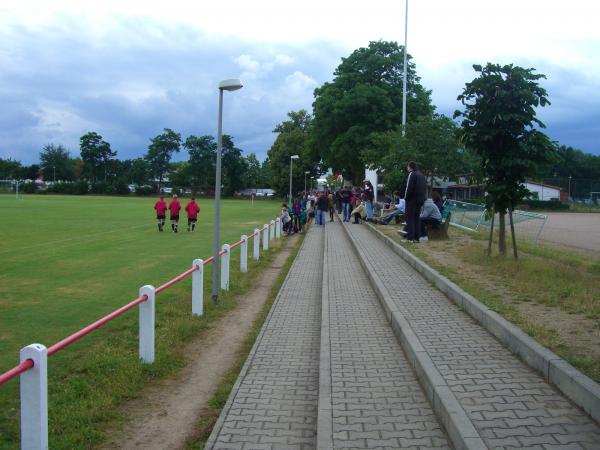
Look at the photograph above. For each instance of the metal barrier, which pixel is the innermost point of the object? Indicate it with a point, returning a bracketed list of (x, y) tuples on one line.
[(472, 217), (33, 368)]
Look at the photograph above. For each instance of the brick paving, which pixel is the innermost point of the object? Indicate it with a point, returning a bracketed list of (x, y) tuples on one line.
[(376, 400), (509, 404), (274, 404)]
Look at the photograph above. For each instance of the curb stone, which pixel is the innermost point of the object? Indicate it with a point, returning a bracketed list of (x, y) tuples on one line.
[(325, 406), (460, 429), (579, 388)]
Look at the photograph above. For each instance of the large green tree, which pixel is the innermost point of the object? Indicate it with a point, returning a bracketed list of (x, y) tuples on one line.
[(254, 176), (233, 166), (363, 100), (97, 156), (201, 166), (56, 163), (292, 139), (160, 152), (499, 124)]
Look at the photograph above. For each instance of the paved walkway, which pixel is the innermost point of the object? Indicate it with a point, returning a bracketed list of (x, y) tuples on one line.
[(274, 402), (377, 400), (327, 370), (509, 404)]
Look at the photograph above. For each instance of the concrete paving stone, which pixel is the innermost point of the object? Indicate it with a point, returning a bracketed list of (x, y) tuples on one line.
[(468, 357), (373, 385), (279, 390)]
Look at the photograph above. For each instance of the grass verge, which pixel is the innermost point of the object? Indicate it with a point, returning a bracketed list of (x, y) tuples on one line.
[(217, 402), (88, 382)]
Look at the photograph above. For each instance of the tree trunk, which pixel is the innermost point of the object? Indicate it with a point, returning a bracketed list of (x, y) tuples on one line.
[(512, 232), (502, 233), (489, 249)]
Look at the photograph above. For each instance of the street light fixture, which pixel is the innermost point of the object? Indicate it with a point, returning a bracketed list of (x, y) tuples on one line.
[(225, 85), (292, 158), (305, 173)]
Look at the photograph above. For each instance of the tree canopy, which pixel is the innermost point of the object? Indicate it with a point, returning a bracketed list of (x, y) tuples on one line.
[(499, 124), (364, 99), (160, 151), (292, 139)]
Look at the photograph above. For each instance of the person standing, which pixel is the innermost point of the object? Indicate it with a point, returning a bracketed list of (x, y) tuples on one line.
[(174, 208), (346, 203), (161, 207), (370, 193), (192, 209), (322, 206), (331, 204), (414, 196)]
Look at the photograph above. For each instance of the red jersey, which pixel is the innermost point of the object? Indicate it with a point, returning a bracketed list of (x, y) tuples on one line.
[(174, 207), (160, 207), (192, 209)]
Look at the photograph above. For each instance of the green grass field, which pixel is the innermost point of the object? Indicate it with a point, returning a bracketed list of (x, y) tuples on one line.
[(66, 261)]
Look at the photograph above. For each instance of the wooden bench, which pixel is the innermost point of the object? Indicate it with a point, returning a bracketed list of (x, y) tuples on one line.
[(440, 231)]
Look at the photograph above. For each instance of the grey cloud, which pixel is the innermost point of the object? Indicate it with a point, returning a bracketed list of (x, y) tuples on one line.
[(129, 84)]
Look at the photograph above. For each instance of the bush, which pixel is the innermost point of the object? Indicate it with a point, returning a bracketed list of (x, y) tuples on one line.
[(77, 188), (28, 188), (145, 190), (548, 205), (117, 188)]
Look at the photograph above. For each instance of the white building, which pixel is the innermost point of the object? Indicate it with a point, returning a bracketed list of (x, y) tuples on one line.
[(543, 191)]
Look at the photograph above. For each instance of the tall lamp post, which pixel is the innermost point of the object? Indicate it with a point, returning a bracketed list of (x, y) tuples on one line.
[(311, 183), (569, 187), (225, 85), (404, 77), (305, 173), (292, 158)]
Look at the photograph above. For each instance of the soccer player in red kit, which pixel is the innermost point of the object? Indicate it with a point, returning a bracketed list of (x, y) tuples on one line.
[(160, 206), (174, 207), (192, 209)]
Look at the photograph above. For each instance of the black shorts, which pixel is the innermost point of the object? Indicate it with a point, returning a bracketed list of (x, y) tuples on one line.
[(192, 220), (159, 217), (174, 218)]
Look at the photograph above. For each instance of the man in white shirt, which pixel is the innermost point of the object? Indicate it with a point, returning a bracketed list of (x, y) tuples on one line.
[(398, 209)]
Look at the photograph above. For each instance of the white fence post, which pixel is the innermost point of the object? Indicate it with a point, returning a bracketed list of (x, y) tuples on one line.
[(198, 288), (244, 254), (272, 230), (278, 228), (266, 237), (34, 398), (147, 325), (225, 268), (256, 253)]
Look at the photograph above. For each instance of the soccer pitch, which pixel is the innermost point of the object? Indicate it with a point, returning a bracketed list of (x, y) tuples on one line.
[(66, 261)]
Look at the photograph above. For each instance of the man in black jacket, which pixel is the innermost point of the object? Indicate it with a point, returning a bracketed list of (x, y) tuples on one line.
[(416, 190)]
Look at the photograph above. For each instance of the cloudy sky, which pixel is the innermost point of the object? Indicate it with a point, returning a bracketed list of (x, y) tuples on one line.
[(128, 69)]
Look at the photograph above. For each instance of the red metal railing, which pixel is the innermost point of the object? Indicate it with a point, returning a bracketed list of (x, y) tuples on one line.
[(28, 364)]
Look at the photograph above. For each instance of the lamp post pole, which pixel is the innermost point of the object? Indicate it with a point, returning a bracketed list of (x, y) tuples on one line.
[(226, 85), (569, 187), (405, 69), (292, 158), (305, 173)]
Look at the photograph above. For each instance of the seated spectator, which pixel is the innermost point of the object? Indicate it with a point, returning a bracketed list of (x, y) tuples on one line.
[(437, 199), (397, 210), (359, 211), (430, 215)]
